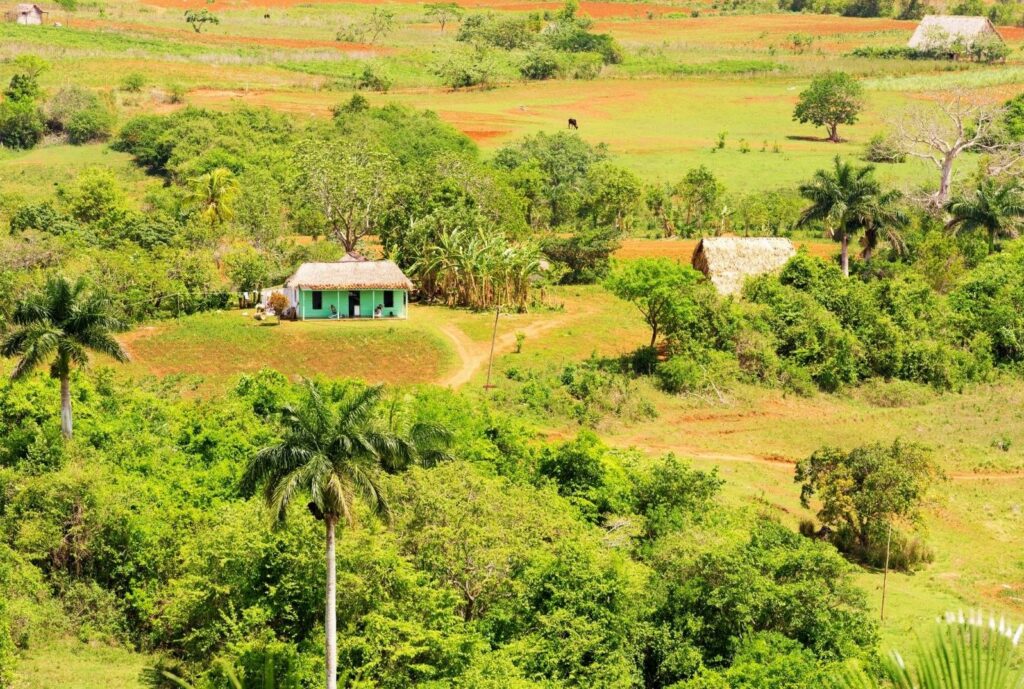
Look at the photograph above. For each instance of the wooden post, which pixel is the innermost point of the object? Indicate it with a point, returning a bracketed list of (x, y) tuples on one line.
[(885, 572), (494, 336)]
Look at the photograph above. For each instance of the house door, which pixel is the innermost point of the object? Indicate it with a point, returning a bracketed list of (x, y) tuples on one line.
[(353, 304)]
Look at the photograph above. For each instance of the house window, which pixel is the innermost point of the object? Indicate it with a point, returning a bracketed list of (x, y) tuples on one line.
[(318, 300), (389, 299)]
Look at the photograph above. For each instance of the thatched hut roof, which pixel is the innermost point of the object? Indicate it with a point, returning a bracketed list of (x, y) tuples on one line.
[(729, 261), (936, 32), (351, 272)]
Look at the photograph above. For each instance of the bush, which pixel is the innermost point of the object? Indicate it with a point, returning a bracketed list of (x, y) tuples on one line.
[(539, 65), (465, 71), (373, 80), (21, 124), (94, 124), (66, 103), (133, 82), (708, 373), (884, 149)]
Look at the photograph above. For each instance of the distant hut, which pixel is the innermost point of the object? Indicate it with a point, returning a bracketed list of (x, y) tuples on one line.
[(353, 287), (953, 34), (28, 14), (729, 261)]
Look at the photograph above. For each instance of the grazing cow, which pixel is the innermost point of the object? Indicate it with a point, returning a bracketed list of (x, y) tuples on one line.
[(573, 124), (267, 15)]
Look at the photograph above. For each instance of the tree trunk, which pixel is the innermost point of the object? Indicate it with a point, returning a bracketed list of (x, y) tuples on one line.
[(945, 181), (833, 133), (331, 616), (845, 254), (991, 241), (654, 335), (65, 407)]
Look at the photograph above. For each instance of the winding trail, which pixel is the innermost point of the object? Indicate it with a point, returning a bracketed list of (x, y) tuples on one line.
[(473, 355)]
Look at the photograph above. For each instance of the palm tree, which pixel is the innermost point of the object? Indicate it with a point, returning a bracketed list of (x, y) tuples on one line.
[(882, 220), (841, 198), (334, 453), (992, 207), (213, 196), (965, 653), (61, 324)]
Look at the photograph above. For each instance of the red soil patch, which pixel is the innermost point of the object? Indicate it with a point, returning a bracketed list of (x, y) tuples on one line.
[(682, 249), (590, 9), (220, 39), (484, 134)]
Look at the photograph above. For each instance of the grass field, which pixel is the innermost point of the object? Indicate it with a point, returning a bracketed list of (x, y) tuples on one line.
[(684, 81), (70, 663)]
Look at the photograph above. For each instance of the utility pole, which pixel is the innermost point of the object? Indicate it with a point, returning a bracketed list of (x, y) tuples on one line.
[(885, 573), (494, 336)]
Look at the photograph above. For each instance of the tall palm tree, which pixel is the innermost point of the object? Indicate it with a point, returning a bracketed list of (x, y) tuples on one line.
[(213, 196), (992, 207), (841, 198), (882, 220), (61, 324), (334, 454)]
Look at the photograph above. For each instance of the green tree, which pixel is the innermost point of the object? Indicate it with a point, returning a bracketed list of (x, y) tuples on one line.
[(21, 124), (699, 193), (197, 18), (351, 184), (993, 208), (213, 196), (656, 286), (335, 452), (844, 199), (867, 489), (613, 196), (443, 12), (23, 87), (61, 324), (832, 99)]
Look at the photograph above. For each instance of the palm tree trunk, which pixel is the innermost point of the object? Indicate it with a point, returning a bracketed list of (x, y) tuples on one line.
[(331, 617), (991, 241), (65, 406), (845, 254)]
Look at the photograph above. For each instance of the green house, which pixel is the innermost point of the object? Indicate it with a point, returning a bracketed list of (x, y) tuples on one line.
[(353, 287)]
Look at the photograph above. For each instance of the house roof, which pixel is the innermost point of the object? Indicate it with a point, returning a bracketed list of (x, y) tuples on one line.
[(729, 261), (351, 272), (946, 29), (26, 7)]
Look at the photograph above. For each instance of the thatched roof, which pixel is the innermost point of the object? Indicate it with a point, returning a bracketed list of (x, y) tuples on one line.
[(351, 272), (940, 31), (729, 261)]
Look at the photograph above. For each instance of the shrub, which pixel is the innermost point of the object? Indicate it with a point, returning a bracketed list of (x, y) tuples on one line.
[(68, 102), (21, 124), (176, 93), (709, 373), (373, 80), (94, 124), (465, 71), (278, 303), (884, 149), (133, 82), (539, 64), (584, 66)]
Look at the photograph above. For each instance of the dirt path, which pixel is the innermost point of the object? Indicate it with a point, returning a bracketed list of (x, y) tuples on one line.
[(473, 355)]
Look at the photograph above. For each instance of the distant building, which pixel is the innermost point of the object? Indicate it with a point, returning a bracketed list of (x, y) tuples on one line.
[(939, 33), (729, 261), (353, 287), (27, 13)]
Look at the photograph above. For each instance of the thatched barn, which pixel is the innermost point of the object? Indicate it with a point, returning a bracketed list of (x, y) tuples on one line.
[(353, 287), (937, 33), (729, 261), (27, 13)]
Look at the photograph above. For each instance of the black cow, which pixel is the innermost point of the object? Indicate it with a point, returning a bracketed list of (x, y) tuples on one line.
[(573, 124)]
